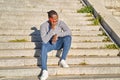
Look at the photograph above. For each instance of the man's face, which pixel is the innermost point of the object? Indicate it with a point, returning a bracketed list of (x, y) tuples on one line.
[(54, 19)]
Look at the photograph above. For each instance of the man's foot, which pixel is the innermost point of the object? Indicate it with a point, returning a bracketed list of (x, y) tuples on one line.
[(44, 75), (58, 53), (63, 64)]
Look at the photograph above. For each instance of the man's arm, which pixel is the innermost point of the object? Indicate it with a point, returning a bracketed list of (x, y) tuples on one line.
[(46, 36), (66, 30)]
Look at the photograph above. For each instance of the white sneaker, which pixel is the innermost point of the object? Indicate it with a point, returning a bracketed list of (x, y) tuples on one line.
[(58, 54), (44, 75), (63, 64)]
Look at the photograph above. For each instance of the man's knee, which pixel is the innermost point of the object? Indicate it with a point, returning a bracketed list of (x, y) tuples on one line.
[(67, 38), (44, 44)]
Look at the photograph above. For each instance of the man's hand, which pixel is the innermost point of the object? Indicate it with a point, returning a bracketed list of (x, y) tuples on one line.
[(55, 38), (53, 23)]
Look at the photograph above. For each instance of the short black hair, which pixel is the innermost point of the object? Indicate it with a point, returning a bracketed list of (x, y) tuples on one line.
[(52, 12)]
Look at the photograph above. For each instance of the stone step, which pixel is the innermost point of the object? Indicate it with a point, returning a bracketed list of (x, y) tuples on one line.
[(37, 27), (70, 22), (62, 1), (67, 22), (29, 3), (73, 70), (72, 52), (88, 39), (59, 3), (30, 22), (85, 28), (26, 24), (37, 45), (37, 38), (22, 23), (117, 13), (42, 5), (81, 60), (36, 32), (44, 9), (38, 13), (88, 45), (49, 6), (38, 9), (13, 1), (77, 23), (43, 18), (69, 77), (87, 33), (39, 1), (86, 77), (25, 19)]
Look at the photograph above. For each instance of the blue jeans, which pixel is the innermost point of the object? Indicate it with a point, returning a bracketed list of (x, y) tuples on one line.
[(62, 42)]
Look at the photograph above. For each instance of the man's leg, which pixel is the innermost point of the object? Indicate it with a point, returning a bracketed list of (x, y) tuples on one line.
[(66, 46), (59, 46), (44, 50), (65, 43)]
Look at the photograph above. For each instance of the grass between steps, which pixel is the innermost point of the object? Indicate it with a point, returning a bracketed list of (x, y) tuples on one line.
[(83, 63), (103, 34), (112, 46), (106, 39), (86, 9), (96, 21), (18, 40), (90, 10)]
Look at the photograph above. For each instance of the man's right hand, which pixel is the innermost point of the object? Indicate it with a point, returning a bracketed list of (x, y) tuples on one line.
[(53, 23)]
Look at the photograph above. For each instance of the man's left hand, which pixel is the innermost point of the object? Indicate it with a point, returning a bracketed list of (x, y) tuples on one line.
[(55, 38)]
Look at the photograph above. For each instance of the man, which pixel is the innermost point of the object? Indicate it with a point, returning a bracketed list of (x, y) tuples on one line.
[(55, 36)]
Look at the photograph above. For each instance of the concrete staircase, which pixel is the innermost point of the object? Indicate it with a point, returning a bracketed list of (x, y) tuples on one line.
[(89, 59), (113, 6)]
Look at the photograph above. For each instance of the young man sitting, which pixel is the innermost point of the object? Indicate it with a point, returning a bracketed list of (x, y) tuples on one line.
[(55, 35)]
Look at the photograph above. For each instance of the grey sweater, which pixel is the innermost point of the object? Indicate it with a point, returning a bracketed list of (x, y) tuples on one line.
[(47, 33)]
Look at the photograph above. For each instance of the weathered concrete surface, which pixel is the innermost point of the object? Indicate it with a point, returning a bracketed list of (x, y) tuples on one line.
[(21, 19), (110, 24)]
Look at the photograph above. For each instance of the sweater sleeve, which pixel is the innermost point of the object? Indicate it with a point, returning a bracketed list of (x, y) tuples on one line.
[(46, 35), (66, 31)]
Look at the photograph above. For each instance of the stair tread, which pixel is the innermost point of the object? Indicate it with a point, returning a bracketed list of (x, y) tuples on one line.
[(36, 45), (72, 52), (56, 70), (68, 77), (36, 39), (71, 66), (52, 57)]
